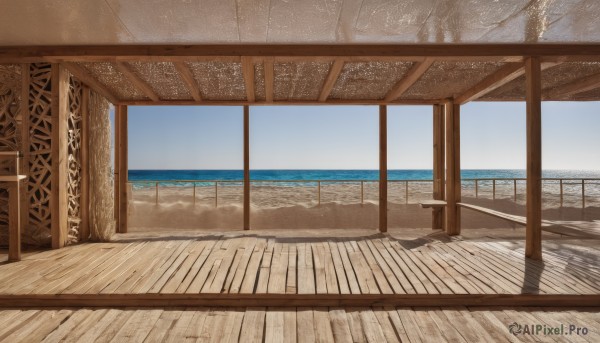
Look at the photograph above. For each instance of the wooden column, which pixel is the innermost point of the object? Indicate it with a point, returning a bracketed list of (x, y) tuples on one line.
[(246, 168), (84, 227), (25, 141), (14, 218), (383, 200), (439, 163), (116, 167), (533, 91), (59, 150), (123, 169), (453, 189)]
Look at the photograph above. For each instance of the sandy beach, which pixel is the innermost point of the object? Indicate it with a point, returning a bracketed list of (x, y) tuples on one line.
[(297, 206)]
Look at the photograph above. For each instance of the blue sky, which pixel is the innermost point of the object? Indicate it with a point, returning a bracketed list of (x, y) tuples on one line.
[(346, 137)]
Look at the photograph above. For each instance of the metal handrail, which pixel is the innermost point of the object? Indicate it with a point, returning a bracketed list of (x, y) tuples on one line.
[(570, 181)]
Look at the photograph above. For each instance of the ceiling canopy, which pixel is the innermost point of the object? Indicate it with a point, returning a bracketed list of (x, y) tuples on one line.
[(89, 22)]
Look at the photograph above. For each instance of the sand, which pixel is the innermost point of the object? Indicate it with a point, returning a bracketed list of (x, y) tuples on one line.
[(297, 207)]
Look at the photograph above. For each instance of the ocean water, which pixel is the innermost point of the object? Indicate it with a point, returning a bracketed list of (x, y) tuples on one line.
[(277, 175)]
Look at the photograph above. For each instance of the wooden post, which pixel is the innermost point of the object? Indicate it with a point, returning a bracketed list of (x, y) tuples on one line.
[(515, 189), (123, 169), (246, 168), (59, 149), (117, 168), (14, 218), (453, 187), (533, 96), (84, 227), (494, 189), (25, 142), (383, 168), (438, 165)]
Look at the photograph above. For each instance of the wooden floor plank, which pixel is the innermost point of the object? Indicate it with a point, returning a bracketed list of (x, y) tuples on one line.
[(306, 325), (339, 325), (253, 325)]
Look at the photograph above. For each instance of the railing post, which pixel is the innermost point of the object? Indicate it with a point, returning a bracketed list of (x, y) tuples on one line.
[(156, 186), (582, 193), (406, 192), (194, 200), (216, 194), (515, 188), (319, 192), (561, 193), (362, 192), (494, 189), (476, 188)]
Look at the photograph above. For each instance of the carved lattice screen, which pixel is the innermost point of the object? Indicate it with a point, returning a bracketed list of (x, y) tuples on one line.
[(40, 157)]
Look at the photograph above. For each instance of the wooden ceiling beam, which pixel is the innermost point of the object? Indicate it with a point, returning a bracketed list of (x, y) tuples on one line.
[(501, 77), (22, 53), (332, 76), (283, 102), (188, 79), (413, 75), (248, 72), (136, 81), (581, 85), (84, 76), (269, 79)]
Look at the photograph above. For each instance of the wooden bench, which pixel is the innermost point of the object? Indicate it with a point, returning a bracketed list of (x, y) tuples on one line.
[(547, 225), (437, 212), (11, 182)]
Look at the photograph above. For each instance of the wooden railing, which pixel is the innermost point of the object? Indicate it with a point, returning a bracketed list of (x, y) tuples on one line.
[(477, 182)]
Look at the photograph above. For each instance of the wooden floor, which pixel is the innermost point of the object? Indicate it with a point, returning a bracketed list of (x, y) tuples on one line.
[(306, 324), (375, 267)]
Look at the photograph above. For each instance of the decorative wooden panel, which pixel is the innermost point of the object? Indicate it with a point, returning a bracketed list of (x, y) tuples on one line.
[(40, 157), (10, 131), (74, 157)]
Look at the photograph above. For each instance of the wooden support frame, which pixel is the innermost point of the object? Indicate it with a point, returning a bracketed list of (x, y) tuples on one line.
[(269, 79), (332, 76), (533, 95), (82, 75), (581, 85), (383, 184), (59, 148), (123, 169), (84, 226), (188, 79), (453, 186), (439, 163), (246, 168), (25, 54), (137, 82), (412, 76), (248, 71), (501, 77)]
